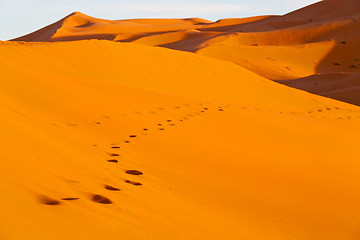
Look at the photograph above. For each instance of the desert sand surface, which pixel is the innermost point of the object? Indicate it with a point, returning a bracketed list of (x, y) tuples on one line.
[(319, 39), (108, 131), (223, 151)]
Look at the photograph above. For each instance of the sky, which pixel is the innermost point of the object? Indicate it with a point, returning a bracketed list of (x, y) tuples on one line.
[(19, 17)]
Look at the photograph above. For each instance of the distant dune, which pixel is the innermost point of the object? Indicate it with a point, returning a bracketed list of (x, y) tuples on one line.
[(319, 39), (133, 139)]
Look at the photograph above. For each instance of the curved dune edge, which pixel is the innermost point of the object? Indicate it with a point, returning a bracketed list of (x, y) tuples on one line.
[(104, 140)]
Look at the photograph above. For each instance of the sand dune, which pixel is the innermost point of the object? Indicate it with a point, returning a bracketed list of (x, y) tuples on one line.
[(108, 131), (318, 39), (100, 141)]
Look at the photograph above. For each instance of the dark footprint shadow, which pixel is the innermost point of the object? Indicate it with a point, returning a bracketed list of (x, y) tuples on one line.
[(111, 188), (100, 199), (70, 199), (113, 154), (113, 161), (134, 172), (133, 183), (49, 201), (115, 147)]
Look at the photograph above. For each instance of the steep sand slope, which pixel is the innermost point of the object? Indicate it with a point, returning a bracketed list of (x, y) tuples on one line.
[(225, 154), (341, 86)]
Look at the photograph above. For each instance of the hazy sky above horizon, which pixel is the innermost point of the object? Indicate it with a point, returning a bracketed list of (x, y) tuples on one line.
[(19, 17)]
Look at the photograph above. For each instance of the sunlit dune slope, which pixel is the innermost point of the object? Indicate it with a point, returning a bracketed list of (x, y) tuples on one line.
[(219, 152)]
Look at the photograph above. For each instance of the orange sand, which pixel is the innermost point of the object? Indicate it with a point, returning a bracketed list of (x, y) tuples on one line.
[(319, 39), (236, 156), (220, 152)]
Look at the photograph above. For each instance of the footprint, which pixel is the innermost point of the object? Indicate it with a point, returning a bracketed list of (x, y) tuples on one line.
[(49, 201), (145, 129), (108, 187), (100, 199), (134, 172), (113, 161), (70, 199), (132, 136), (168, 120), (115, 147), (114, 154), (133, 183), (161, 129)]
